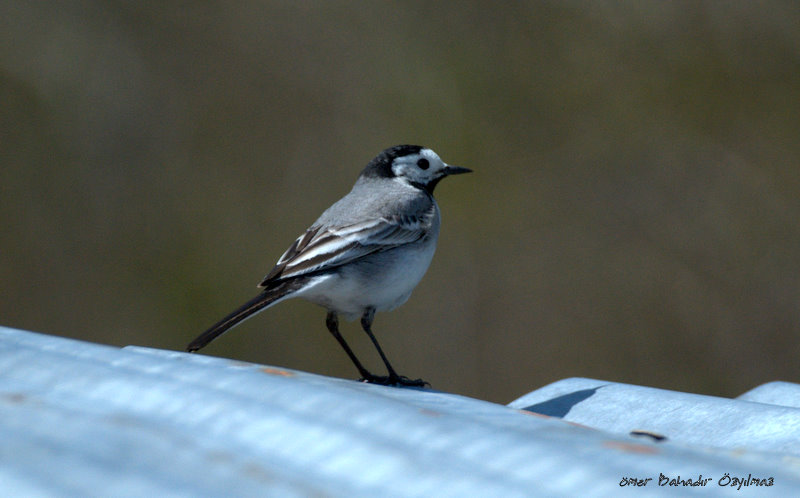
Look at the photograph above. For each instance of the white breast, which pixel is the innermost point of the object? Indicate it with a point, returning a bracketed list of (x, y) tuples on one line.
[(382, 280)]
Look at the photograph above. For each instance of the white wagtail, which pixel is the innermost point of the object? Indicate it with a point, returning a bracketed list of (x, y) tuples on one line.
[(366, 253)]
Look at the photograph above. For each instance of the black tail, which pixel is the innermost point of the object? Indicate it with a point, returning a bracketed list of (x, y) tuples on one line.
[(268, 297)]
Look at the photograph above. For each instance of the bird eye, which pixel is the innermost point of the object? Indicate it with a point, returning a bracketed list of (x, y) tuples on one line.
[(423, 163)]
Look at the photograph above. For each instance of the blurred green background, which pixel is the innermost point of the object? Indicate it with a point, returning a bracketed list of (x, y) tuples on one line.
[(633, 215)]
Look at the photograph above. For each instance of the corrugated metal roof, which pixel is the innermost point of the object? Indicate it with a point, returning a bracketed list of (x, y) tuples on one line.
[(690, 419), (81, 419)]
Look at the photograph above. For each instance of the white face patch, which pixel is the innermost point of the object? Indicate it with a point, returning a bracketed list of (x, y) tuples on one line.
[(421, 168)]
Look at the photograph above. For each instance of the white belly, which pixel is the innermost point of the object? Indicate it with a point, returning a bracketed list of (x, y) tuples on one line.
[(382, 281)]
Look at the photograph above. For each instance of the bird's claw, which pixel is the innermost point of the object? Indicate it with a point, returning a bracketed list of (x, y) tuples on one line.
[(394, 380)]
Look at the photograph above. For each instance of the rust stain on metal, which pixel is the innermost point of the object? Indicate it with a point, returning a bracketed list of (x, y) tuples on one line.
[(277, 371), (534, 414), (429, 412), (631, 447), (15, 397)]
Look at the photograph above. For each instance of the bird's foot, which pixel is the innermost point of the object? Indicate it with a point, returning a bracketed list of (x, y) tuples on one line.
[(394, 380)]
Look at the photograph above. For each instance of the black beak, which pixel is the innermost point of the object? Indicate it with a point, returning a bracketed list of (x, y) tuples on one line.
[(446, 171), (455, 170)]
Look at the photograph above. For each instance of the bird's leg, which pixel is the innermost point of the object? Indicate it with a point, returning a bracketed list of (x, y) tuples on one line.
[(393, 378), (332, 322)]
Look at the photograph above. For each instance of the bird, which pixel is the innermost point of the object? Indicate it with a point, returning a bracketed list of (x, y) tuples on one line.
[(365, 253)]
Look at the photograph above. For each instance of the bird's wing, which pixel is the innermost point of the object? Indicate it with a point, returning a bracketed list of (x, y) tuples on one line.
[(321, 248)]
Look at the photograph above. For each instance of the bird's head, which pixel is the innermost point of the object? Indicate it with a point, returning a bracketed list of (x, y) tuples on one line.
[(413, 164)]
